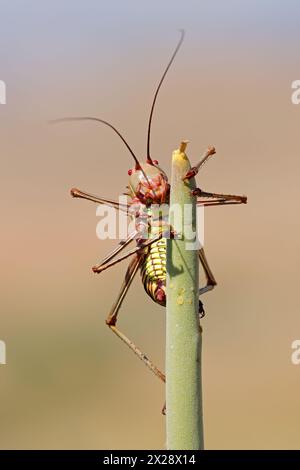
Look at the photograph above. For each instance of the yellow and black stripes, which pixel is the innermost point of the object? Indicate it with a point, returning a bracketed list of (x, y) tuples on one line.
[(153, 271)]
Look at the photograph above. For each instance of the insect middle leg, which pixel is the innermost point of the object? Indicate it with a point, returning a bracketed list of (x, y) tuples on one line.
[(138, 249), (214, 199), (111, 320), (121, 245)]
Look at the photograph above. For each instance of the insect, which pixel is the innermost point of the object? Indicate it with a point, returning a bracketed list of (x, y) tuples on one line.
[(148, 185)]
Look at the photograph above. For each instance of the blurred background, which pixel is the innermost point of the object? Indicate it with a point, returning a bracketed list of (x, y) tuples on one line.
[(68, 381)]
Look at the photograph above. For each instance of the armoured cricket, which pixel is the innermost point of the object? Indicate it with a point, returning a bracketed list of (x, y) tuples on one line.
[(148, 185)]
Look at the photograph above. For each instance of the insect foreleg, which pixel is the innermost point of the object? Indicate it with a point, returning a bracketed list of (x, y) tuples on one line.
[(99, 200), (194, 170), (111, 320)]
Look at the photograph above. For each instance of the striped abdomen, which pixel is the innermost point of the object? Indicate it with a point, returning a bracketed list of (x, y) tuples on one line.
[(153, 271)]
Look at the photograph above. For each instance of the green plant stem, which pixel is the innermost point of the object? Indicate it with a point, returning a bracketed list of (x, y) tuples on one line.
[(183, 342)]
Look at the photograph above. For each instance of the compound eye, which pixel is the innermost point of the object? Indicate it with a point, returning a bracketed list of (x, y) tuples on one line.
[(155, 162), (129, 172)]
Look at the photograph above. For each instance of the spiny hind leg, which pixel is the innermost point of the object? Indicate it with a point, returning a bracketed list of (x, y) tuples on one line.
[(210, 280), (111, 320)]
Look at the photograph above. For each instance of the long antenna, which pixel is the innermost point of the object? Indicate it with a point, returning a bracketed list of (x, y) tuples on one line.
[(157, 90), (88, 118)]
